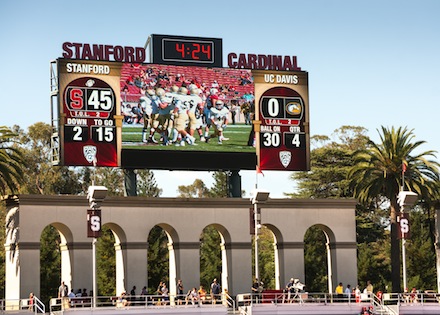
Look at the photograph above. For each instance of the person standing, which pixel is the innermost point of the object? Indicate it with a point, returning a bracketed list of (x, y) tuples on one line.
[(179, 291), (369, 288), (133, 294), (256, 288), (339, 291), (31, 301), (348, 292), (63, 292), (215, 290)]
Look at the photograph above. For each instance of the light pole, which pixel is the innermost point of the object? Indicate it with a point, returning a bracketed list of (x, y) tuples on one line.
[(405, 199), (95, 195), (259, 196)]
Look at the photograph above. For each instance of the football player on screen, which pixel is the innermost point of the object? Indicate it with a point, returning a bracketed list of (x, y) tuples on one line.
[(165, 122), (210, 103), (219, 119), (195, 113), (147, 109), (181, 107)]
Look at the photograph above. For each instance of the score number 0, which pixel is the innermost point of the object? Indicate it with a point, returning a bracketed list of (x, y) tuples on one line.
[(274, 139)]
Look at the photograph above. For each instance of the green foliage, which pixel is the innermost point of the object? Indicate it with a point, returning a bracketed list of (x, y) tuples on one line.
[(196, 190), (2, 250), (158, 258), (146, 184), (11, 162), (330, 164), (50, 264), (210, 256), (41, 176), (315, 260), (220, 188), (374, 265), (420, 253), (266, 255), (106, 263), (112, 178), (377, 172)]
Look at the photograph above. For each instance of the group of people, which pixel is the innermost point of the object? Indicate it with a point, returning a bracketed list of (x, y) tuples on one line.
[(349, 292), (181, 114), (179, 110), (68, 297), (161, 296)]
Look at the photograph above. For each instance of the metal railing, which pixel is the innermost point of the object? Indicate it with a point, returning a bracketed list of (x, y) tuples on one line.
[(300, 297), (386, 304), (33, 305), (141, 301)]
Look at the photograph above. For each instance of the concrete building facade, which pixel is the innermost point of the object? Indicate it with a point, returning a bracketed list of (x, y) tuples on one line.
[(132, 218)]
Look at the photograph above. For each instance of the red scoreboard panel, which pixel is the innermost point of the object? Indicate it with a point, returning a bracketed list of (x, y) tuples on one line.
[(282, 115), (88, 113)]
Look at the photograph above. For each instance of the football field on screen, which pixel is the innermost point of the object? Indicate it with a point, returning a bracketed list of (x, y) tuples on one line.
[(238, 135)]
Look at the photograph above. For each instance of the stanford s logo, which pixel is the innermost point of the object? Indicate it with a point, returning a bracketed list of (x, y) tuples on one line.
[(285, 158), (90, 153)]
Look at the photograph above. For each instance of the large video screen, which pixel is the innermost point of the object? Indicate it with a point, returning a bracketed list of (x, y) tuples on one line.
[(186, 108), (155, 116), (175, 117)]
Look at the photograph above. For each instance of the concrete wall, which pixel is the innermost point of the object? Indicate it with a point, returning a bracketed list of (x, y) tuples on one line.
[(132, 218)]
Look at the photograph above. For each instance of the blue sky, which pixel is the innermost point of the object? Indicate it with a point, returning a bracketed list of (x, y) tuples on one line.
[(370, 63)]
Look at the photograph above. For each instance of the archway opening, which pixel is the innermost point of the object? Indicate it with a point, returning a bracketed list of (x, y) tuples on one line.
[(158, 259), (266, 257), (106, 263), (50, 263), (316, 260), (210, 257)]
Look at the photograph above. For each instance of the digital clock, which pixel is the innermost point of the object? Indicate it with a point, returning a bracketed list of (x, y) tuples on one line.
[(184, 50), (197, 51)]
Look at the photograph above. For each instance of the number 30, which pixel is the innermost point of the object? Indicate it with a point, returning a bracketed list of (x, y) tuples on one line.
[(271, 139)]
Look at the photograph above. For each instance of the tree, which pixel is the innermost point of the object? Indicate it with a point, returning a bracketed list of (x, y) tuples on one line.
[(158, 258), (106, 263), (210, 256), (41, 176), (377, 174), (315, 260), (146, 184), (330, 164), (11, 162), (220, 188), (198, 189), (50, 263)]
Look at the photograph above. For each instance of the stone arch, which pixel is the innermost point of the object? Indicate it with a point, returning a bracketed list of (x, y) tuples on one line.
[(278, 255), (225, 242), (330, 238), (65, 250), (183, 219), (120, 255), (173, 254)]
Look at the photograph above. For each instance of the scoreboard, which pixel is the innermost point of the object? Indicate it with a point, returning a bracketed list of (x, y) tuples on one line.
[(282, 120), (94, 93), (88, 113)]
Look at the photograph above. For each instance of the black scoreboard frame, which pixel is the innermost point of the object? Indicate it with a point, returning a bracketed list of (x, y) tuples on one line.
[(289, 125)]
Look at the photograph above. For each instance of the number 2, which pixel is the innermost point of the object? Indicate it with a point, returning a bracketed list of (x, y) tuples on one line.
[(195, 51), (78, 133)]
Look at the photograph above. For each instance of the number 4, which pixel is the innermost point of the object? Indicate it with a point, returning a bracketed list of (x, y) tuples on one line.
[(296, 141)]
